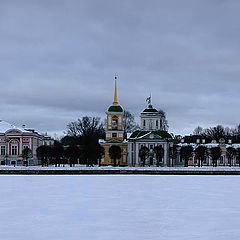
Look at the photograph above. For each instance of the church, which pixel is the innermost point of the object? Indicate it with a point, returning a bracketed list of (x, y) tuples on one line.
[(151, 140), (152, 136), (114, 134)]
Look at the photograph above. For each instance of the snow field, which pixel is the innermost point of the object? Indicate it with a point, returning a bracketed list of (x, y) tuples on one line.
[(125, 207)]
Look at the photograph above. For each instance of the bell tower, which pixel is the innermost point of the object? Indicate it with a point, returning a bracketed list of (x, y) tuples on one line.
[(114, 132), (115, 119)]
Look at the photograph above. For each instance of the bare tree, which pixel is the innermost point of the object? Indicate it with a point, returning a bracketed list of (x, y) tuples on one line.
[(186, 153), (201, 154), (231, 153), (198, 131), (159, 151), (216, 133), (129, 123), (26, 154), (85, 127), (215, 153), (173, 153), (143, 154), (115, 153), (238, 155), (89, 130), (163, 119)]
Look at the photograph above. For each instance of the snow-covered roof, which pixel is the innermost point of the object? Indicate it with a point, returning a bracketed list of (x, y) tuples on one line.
[(5, 126), (209, 145)]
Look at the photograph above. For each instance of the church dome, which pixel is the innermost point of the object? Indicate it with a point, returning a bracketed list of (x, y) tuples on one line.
[(150, 109), (115, 108)]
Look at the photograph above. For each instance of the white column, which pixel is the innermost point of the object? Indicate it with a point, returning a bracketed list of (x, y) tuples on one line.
[(20, 145), (165, 154), (129, 154), (30, 143), (137, 156)]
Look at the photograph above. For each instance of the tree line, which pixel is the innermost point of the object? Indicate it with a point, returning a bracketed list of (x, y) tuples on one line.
[(202, 153), (80, 145), (218, 132)]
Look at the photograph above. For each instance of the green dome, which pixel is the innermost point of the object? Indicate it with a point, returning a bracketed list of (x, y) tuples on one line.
[(150, 109), (115, 108)]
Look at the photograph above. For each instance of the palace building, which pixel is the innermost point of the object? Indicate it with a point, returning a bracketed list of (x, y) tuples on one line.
[(12, 142), (114, 133), (153, 133)]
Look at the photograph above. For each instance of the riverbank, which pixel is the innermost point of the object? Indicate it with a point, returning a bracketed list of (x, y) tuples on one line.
[(83, 170)]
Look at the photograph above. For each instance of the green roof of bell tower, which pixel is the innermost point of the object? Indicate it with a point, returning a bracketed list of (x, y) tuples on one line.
[(115, 108)]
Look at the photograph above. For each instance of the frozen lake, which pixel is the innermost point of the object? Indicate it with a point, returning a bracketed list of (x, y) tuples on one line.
[(119, 207)]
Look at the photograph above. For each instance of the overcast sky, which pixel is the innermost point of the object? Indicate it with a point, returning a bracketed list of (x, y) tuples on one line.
[(58, 59)]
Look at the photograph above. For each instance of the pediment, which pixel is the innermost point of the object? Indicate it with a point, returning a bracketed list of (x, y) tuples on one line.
[(113, 141), (13, 131), (151, 136)]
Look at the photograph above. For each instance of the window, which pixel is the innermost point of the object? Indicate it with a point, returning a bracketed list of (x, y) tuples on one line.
[(25, 146), (115, 122), (157, 124), (144, 123), (150, 124), (3, 150), (14, 150), (109, 122), (151, 146), (114, 135)]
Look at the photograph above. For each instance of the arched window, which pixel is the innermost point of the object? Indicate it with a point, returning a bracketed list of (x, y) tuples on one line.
[(114, 122)]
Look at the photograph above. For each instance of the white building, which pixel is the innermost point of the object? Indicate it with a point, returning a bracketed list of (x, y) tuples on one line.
[(153, 133)]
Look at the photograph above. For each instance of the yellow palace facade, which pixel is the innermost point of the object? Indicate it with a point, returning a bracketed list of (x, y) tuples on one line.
[(114, 133)]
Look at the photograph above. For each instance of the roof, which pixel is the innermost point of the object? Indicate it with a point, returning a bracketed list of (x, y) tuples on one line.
[(150, 109), (140, 133), (5, 126), (115, 108)]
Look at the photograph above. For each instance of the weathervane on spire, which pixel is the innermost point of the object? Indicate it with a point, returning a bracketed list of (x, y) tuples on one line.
[(149, 100)]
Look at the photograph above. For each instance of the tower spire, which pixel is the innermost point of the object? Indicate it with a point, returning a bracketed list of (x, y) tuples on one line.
[(115, 102)]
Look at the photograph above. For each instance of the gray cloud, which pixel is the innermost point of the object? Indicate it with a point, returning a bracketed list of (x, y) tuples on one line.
[(58, 59)]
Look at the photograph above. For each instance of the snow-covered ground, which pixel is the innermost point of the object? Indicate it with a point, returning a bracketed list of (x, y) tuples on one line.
[(83, 167), (119, 207)]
